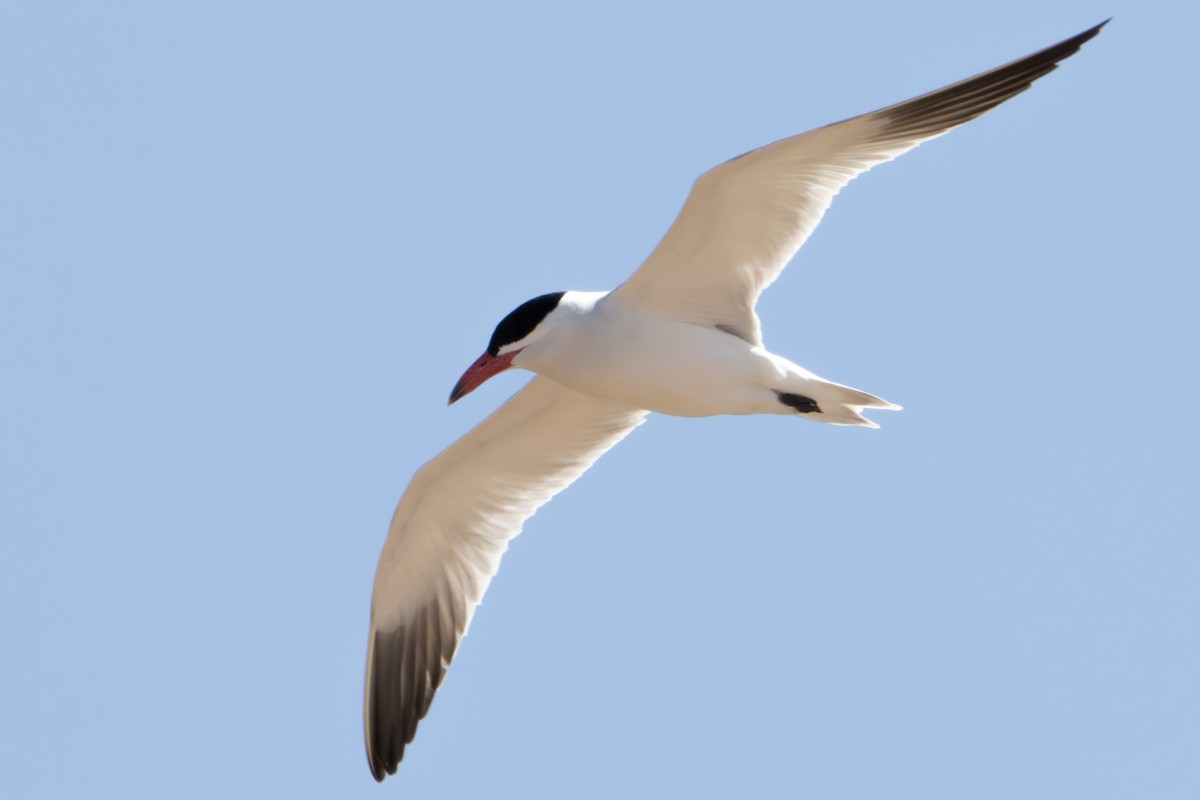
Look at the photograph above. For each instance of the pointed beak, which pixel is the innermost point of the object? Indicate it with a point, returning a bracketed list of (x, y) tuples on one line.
[(484, 367)]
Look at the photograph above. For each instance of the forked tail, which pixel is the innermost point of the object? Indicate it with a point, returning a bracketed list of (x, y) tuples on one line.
[(832, 403)]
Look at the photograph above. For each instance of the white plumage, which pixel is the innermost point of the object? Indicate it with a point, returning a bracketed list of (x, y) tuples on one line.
[(680, 337)]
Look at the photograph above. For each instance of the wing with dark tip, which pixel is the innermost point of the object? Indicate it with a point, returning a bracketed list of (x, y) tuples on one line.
[(450, 529), (745, 219)]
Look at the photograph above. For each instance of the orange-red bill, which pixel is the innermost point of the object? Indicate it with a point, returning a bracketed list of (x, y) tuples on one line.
[(484, 367)]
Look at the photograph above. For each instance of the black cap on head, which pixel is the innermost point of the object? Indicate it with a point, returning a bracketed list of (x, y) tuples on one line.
[(522, 320)]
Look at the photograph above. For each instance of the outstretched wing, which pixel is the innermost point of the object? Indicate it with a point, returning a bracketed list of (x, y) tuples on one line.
[(450, 529), (745, 219)]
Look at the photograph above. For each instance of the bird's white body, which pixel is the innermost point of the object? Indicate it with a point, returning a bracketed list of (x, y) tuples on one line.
[(595, 344), (679, 337)]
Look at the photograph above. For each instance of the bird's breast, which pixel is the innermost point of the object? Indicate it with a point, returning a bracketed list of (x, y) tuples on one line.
[(672, 368)]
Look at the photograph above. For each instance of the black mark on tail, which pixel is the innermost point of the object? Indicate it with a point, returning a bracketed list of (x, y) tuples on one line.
[(805, 405)]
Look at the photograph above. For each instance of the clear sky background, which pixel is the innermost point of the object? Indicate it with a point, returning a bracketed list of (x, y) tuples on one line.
[(246, 249)]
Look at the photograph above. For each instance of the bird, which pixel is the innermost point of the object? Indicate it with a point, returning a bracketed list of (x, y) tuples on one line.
[(679, 337)]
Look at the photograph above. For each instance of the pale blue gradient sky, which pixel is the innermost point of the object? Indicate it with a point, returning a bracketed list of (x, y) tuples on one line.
[(246, 249)]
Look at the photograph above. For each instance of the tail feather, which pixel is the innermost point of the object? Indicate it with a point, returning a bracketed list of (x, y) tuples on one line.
[(842, 405)]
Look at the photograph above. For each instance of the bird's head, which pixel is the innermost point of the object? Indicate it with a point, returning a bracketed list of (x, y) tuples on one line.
[(524, 326)]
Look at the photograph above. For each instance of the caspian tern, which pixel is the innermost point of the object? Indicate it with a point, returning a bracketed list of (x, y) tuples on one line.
[(679, 337)]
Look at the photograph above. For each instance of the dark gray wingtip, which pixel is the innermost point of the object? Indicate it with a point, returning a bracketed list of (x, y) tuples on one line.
[(953, 105), (407, 667)]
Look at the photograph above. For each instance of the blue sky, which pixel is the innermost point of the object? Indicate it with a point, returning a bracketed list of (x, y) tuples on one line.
[(246, 250)]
